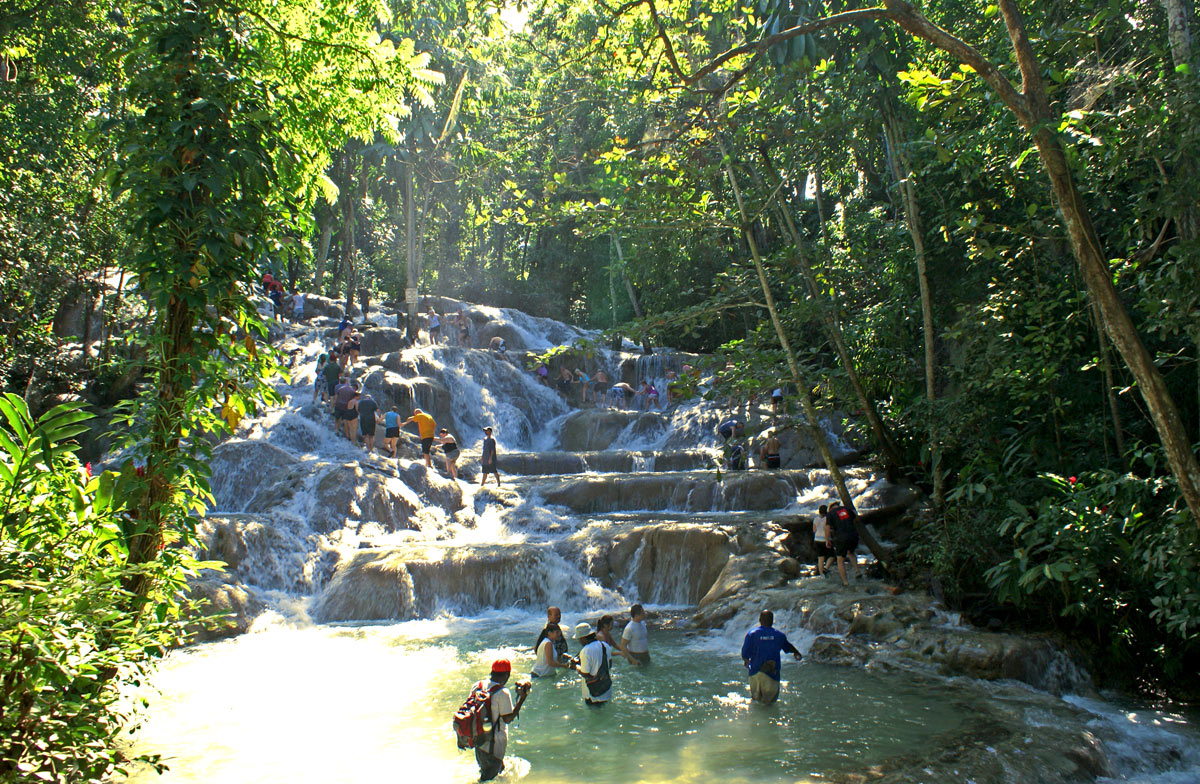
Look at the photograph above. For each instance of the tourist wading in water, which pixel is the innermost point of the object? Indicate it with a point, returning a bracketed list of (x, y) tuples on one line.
[(489, 753), (634, 641), (595, 666), (546, 658), (553, 618), (760, 654)]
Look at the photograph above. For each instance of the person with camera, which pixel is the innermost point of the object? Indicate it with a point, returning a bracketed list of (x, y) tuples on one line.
[(502, 712)]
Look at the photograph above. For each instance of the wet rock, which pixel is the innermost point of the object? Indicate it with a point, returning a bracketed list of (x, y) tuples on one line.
[(273, 553), (699, 492), (669, 564), (239, 605), (414, 580), (432, 487), (348, 493), (789, 566), (514, 339), (382, 340), (317, 306), (598, 428), (243, 469)]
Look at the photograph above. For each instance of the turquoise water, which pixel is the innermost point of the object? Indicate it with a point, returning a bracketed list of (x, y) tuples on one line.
[(354, 703)]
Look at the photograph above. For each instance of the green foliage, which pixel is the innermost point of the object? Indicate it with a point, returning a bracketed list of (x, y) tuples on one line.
[(67, 647), (1108, 552)]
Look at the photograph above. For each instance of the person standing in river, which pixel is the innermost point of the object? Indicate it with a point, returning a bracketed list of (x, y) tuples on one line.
[(595, 666), (821, 538), (546, 659), (426, 429), (634, 640), (604, 628), (487, 458), (489, 753), (760, 655), (845, 538), (553, 618)]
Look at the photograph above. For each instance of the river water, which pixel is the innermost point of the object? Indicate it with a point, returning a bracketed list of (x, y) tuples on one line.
[(429, 582)]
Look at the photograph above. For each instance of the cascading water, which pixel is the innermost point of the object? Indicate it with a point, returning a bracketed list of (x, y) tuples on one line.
[(390, 589)]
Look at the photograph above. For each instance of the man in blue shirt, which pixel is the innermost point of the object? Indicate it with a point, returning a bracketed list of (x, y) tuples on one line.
[(760, 654)]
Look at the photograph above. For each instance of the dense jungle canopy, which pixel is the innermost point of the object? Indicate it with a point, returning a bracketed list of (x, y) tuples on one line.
[(970, 225)]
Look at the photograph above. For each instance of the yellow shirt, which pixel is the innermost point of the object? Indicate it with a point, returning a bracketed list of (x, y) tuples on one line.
[(425, 424)]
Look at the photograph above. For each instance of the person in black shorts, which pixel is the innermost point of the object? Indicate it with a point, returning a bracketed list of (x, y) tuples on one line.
[(391, 430), (368, 418), (845, 538), (450, 451), (487, 458)]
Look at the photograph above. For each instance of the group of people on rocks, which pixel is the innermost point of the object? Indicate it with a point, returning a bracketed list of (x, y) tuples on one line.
[(761, 653), (835, 536)]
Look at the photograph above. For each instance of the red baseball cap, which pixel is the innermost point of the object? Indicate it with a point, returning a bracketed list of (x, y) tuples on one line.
[(502, 665)]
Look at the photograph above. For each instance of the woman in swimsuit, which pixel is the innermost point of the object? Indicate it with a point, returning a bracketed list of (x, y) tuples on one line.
[(450, 450)]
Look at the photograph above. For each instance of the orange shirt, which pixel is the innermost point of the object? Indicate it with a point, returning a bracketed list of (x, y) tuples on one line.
[(425, 424)]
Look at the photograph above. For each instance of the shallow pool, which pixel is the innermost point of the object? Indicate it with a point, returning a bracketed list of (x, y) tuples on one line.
[(333, 704)]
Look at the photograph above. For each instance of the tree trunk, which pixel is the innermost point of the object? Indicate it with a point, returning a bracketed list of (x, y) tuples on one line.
[(1038, 120), (833, 327), (1110, 387), (902, 174), (413, 275), (1178, 31), (325, 224), (647, 347), (806, 400)]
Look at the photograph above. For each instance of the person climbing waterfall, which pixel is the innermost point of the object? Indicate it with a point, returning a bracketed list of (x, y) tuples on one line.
[(343, 327), (821, 537), (498, 348), (449, 449), (319, 379), (426, 429), (349, 412), (368, 419), (434, 326), (391, 430), (845, 538), (364, 301), (760, 655), (297, 305), (489, 753), (487, 458), (554, 618), (600, 389), (595, 666), (343, 393), (464, 329), (621, 392), (331, 372), (546, 658), (585, 386), (777, 401), (564, 382), (731, 427), (635, 642), (770, 451)]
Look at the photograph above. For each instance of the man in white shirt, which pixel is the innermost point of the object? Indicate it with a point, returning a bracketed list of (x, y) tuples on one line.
[(634, 642), (595, 662), (490, 752), (297, 306)]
